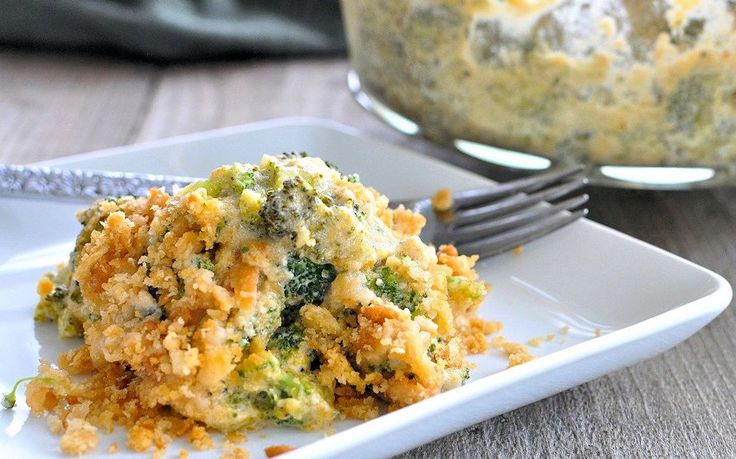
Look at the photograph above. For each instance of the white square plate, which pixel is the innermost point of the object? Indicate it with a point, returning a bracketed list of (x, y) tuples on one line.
[(586, 277)]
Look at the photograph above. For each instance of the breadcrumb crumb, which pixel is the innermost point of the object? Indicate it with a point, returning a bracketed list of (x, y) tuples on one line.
[(564, 330), (515, 352), (80, 437), (236, 437), (442, 200), (597, 332), (535, 342), (54, 424), (200, 439), (140, 438), (113, 448), (183, 454), (234, 452), (275, 450), (517, 250), (550, 337)]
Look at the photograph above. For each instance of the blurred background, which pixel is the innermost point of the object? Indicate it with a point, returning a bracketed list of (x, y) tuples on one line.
[(175, 30)]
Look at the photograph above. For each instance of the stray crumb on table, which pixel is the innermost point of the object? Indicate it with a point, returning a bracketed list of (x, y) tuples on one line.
[(536, 341)]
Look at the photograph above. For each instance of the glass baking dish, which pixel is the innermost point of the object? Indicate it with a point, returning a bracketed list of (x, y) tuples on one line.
[(643, 92)]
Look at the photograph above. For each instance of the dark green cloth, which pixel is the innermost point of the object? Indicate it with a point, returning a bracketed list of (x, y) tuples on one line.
[(175, 29)]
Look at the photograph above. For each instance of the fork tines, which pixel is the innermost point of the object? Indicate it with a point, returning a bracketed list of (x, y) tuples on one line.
[(497, 219)]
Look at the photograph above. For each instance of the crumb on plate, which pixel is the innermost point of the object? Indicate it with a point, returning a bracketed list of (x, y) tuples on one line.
[(233, 451), (442, 200), (80, 438), (236, 437), (275, 450), (515, 352), (200, 439)]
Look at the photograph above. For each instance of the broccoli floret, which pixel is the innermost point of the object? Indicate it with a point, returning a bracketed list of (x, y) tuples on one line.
[(286, 386), (387, 284), (460, 288), (293, 155), (466, 375), (204, 263), (291, 387), (691, 104), (309, 284), (227, 180), (285, 207), (353, 178), (264, 400), (286, 338), (310, 281), (243, 180), (59, 292)]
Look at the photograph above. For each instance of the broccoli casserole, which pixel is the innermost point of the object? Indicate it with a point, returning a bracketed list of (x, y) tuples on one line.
[(283, 292), (633, 82)]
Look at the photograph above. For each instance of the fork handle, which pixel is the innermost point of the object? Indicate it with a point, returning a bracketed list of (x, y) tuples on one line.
[(80, 185)]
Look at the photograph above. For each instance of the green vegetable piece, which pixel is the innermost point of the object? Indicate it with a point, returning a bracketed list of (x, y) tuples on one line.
[(264, 400), (8, 401), (59, 292), (243, 180), (204, 263), (290, 387), (285, 207), (466, 375), (691, 104), (310, 281), (386, 283), (293, 155), (212, 187), (286, 338), (462, 287)]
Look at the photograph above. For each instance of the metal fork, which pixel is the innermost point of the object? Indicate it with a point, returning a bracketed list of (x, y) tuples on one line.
[(486, 221), (492, 220)]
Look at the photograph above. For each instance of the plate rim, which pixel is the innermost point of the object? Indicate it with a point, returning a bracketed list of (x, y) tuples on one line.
[(706, 307)]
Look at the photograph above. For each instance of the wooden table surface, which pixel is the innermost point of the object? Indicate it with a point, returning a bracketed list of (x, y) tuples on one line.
[(682, 403)]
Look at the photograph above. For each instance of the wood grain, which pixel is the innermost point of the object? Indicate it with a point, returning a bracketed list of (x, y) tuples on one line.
[(682, 403)]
